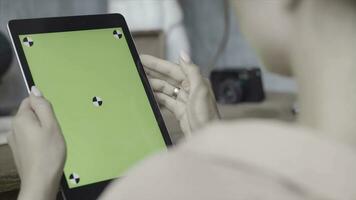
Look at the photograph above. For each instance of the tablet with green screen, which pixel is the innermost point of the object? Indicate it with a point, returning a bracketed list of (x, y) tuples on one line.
[(90, 71)]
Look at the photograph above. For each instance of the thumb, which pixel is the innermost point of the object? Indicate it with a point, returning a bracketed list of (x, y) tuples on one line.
[(41, 107)]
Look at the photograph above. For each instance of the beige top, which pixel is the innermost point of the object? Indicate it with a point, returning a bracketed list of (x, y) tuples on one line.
[(245, 160)]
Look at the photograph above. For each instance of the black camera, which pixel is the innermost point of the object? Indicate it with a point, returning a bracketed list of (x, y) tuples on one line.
[(233, 86)]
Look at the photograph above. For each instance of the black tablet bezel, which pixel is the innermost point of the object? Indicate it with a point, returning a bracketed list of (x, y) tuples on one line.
[(76, 23)]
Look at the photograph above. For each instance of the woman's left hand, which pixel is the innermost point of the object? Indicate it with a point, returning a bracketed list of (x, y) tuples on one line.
[(38, 148)]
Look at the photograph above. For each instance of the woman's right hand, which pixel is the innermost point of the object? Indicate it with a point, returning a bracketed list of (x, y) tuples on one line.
[(38, 148), (182, 90)]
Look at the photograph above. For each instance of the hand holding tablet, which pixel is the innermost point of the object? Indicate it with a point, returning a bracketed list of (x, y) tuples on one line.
[(89, 69), (36, 130)]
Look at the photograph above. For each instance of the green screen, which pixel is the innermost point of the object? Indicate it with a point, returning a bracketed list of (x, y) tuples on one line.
[(91, 79)]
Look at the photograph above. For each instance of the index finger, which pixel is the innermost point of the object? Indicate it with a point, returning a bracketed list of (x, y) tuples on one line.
[(43, 109), (166, 68)]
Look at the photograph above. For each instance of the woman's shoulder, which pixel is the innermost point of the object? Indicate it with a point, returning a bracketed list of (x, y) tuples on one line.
[(264, 136), (297, 153), (231, 160)]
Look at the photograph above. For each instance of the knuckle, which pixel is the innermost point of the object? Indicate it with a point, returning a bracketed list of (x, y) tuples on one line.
[(152, 62), (170, 73), (167, 71), (45, 104), (148, 73), (164, 87), (156, 85), (161, 85)]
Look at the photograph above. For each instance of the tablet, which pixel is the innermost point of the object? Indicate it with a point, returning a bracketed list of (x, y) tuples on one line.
[(89, 69)]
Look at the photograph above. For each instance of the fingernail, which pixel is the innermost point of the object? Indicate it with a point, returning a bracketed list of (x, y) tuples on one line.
[(36, 92), (185, 57)]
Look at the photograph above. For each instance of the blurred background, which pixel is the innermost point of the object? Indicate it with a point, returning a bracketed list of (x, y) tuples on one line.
[(206, 29)]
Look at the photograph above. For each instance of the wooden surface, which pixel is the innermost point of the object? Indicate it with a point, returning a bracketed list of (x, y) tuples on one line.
[(9, 180), (8, 175), (276, 106)]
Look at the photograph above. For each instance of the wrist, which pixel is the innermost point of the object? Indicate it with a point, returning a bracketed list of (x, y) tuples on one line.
[(39, 190)]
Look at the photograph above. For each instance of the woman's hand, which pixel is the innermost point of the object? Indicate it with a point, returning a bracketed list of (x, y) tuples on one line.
[(182, 90), (38, 148)]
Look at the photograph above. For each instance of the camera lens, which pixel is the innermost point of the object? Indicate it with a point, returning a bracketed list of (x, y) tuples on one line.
[(230, 92)]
